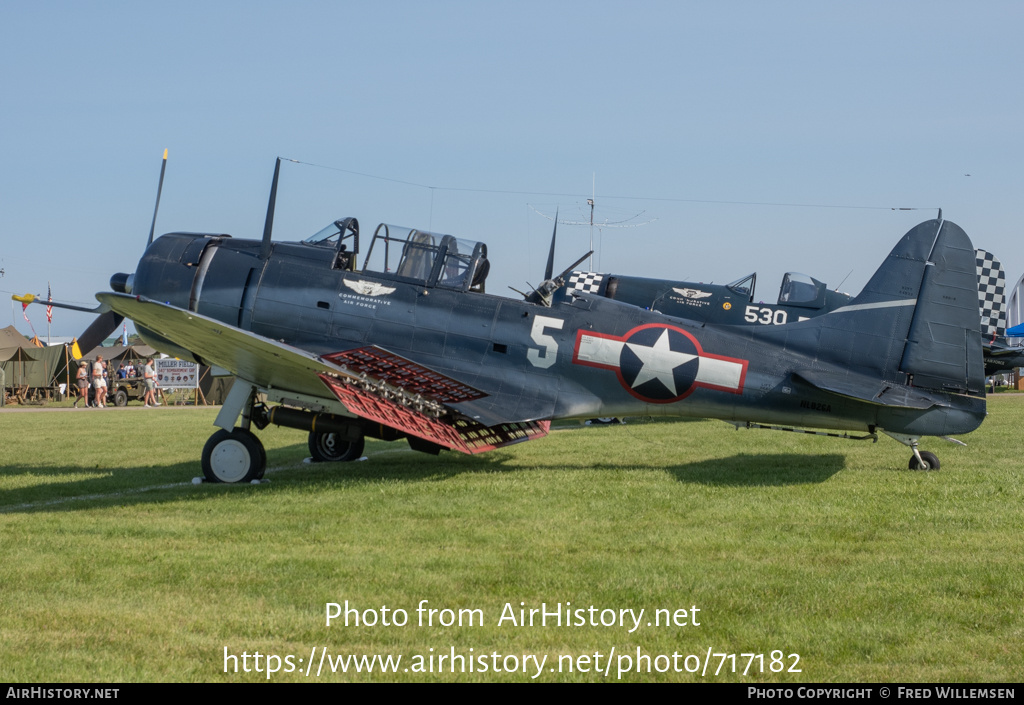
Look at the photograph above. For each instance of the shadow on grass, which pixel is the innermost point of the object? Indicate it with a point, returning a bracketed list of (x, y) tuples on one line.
[(118, 486), (747, 470), (172, 483)]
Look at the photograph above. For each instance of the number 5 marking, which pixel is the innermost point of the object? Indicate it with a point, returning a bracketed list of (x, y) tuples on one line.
[(547, 344)]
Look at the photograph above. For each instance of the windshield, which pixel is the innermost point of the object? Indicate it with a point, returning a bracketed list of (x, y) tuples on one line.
[(330, 234), (744, 286), (341, 236)]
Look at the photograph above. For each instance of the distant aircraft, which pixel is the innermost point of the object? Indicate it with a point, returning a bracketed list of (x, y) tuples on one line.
[(407, 345), (800, 297)]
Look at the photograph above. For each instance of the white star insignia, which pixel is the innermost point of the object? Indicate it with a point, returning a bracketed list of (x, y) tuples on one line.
[(659, 362)]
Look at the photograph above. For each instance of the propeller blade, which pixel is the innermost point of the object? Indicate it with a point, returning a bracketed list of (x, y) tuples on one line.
[(542, 294), (98, 331), (159, 190), (33, 299), (572, 266), (268, 226), (551, 253)]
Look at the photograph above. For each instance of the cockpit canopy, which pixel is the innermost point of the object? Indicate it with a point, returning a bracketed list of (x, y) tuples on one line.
[(430, 259), (802, 290), (409, 255)]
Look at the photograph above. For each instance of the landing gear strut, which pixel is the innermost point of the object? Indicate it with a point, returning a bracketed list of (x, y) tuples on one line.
[(921, 459), (234, 456)]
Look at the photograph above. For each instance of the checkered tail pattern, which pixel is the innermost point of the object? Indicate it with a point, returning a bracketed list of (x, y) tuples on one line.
[(991, 295)]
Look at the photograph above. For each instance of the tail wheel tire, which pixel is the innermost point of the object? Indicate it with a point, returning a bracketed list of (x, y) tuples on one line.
[(931, 461), (330, 448), (234, 456)]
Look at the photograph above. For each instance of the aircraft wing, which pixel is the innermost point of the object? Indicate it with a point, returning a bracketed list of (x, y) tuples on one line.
[(266, 363), (372, 383)]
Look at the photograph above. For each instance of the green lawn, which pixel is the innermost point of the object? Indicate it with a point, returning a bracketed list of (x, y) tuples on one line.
[(115, 567)]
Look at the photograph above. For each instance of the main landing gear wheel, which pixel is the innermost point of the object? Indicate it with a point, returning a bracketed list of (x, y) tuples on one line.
[(931, 461), (330, 448), (234, 456)]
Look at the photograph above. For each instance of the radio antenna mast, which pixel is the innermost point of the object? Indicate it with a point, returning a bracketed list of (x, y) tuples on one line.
[(590, 202), (601, 224)]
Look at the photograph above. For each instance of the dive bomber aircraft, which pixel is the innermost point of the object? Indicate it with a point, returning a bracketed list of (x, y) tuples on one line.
[(402, 342)]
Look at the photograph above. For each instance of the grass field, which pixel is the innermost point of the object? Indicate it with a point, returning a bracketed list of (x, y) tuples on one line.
[(115, 567)]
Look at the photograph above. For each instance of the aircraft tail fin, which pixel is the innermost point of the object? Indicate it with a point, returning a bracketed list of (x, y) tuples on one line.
[(944, 346), (916, 320)]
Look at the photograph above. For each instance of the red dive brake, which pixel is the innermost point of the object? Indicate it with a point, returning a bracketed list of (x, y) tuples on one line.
[(406, 396)]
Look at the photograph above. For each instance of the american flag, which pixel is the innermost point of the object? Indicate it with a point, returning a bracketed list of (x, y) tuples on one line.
[(49, 309)]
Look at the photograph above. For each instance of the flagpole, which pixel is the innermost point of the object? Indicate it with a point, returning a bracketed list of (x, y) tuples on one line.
[(49, 313)]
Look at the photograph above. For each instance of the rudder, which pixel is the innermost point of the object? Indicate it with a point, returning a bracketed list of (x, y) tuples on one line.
[(944, 350)]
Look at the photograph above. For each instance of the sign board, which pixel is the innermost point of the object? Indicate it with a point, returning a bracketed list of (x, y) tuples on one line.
[(176, 374)]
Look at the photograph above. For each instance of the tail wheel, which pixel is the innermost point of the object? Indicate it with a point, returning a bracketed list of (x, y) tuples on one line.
[(931, 461), (331, 448), (234, 456)]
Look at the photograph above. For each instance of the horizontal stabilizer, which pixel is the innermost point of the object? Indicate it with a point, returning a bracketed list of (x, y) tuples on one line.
[(871, 390)]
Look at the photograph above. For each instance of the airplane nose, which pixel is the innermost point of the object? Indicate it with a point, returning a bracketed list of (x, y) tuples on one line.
[(122, 283)]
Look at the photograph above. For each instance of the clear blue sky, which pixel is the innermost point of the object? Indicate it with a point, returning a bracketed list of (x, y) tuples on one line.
[(688, 117)]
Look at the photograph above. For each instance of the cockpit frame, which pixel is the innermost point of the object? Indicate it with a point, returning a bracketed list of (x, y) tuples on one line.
[(343, 236), (427, 259)]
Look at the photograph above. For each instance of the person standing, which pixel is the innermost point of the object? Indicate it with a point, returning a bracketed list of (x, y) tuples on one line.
[(99, 383), (149, 375), (82, 378)]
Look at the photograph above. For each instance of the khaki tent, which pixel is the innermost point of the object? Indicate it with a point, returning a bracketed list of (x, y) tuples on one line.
[(11, 338), (26, 365), (121, 352), (18, 355), (34, 367)]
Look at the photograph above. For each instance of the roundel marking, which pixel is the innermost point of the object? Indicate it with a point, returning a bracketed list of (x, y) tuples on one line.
[(659, 363)]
